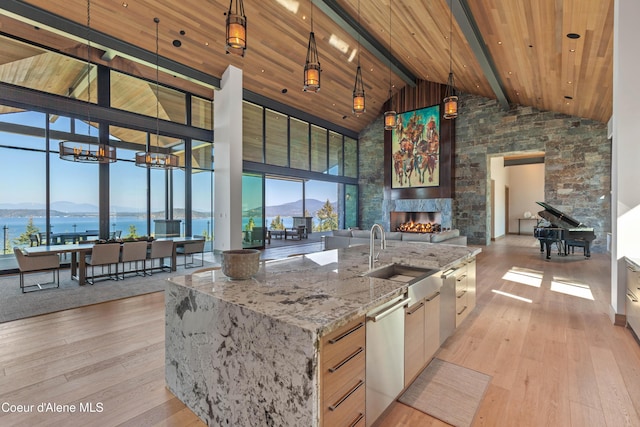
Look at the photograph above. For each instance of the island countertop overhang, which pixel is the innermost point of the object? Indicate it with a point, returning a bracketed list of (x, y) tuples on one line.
[(322, 291)]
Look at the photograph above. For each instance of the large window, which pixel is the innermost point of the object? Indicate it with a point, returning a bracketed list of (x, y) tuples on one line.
[(321, 203), (318, 149), (299, 144), (127, 189), (253, 231), (75, 191), (277, 141), (252, 141), (283, 201)]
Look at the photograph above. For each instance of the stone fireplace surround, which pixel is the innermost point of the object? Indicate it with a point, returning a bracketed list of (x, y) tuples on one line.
[(441, 207)]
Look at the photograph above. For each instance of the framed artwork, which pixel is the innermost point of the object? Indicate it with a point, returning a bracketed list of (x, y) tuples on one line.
[(415, 149)]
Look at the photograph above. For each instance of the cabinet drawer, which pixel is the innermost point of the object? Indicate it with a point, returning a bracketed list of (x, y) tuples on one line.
[(341, 343), (462, 308), (337, 378), (345, 409)]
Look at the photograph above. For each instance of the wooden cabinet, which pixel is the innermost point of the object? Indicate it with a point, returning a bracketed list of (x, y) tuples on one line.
[(414, 345), (465, 290), (633, 295), (342, 377)]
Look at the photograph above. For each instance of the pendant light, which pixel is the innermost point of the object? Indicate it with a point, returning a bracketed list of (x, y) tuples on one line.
[(358, 88), (450, 100), (312, 64), (87, 152), (157, 159), (390, 114), (236, 29)]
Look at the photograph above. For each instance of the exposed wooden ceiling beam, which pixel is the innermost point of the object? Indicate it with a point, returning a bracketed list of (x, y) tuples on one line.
[(466, 22), (333, 10)]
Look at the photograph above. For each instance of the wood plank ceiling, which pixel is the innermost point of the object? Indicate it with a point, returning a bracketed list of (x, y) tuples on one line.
[(526, 43)]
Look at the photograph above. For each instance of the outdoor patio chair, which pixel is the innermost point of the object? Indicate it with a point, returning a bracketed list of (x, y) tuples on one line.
[(160, 249), (34, 239), (134, 253), (103, 255), (189, 250), (37, 264)]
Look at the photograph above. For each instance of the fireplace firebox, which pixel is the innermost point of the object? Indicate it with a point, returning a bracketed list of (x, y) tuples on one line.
[(416, 222)]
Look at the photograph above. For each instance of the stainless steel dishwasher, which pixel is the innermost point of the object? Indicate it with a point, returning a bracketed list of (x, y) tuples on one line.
[(385, 356)]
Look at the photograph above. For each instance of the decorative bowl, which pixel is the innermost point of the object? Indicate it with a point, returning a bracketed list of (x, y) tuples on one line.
[(240, 264)]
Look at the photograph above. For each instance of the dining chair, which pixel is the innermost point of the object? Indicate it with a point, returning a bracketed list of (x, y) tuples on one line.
[(189, 250), (103, 255), (133, 253), (37, 264), (160, 249)]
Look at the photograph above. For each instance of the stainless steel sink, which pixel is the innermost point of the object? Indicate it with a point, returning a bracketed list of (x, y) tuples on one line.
[(400, 273)]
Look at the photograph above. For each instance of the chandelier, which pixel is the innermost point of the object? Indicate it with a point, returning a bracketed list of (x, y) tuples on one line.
[(87, 151), (156, 159), (312, 64), (390, 114), (450, 100), (358, 88), (236, 35)]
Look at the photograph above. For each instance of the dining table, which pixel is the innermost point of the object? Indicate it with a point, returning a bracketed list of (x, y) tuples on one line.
[(78, 251)]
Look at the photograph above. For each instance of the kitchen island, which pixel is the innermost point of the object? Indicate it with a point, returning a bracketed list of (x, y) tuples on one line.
[(247, 353)]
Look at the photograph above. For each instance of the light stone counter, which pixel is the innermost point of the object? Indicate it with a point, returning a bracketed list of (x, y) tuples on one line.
[(245, 353)]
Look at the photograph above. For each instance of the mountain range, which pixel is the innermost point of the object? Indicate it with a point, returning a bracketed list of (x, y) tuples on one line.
[(63, 208)]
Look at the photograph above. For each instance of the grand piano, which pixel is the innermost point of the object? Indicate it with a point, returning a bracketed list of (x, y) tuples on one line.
[(564, 231)]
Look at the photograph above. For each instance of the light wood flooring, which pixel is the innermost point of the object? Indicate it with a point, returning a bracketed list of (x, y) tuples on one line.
[(553, 354)]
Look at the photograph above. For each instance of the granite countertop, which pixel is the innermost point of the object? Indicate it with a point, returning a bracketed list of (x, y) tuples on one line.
[(324, 290)]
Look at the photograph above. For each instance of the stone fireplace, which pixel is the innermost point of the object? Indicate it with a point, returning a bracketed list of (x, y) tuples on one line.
[(419, 210), (415, 222)]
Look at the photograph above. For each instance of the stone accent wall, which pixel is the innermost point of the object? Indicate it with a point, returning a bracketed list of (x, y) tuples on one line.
[(577, 165)]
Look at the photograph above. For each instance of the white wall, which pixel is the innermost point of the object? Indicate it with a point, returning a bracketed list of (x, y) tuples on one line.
[(526, 187), (625, 173), (499, 176)]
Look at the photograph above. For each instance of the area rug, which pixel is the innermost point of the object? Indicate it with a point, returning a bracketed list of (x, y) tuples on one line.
[(448, 392), (16, 305)]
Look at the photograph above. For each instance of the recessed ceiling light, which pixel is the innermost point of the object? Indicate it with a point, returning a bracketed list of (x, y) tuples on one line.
[(573, 36), (499, 42), (569, 82), (510, 73), (284, 90), (206, 43), (572, 50), (177, 43), (125, 4)]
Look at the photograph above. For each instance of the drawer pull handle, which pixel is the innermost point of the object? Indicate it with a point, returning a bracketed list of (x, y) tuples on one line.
[(434, 296), (418, 307), (350, 331), (357, 420), (461, 277), (346, 396), (461, 294), (348, 358), (462, 311), (631, 296)]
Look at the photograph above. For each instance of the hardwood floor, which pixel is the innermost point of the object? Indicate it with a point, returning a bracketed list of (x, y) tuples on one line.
[(553, 354)]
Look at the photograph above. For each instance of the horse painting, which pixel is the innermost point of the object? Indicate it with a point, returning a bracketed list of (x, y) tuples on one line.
[(416, 147)]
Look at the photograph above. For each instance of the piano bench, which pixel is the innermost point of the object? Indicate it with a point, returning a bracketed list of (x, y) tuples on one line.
[(572, 244)]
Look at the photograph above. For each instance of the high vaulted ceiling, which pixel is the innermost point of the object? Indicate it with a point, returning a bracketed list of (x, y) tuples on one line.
[(514, 51)]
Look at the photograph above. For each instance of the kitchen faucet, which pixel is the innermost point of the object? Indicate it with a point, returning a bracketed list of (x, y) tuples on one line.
[(372, 257)]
